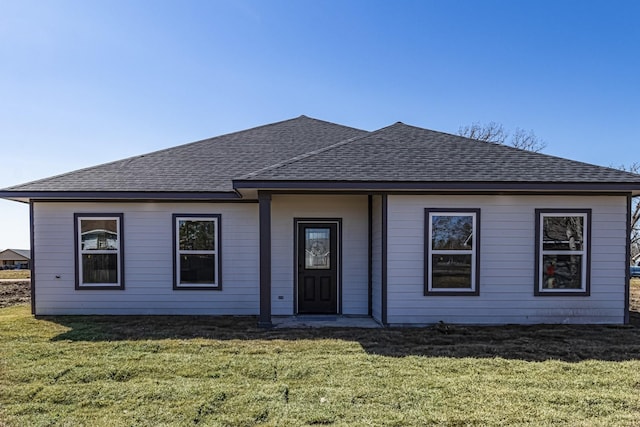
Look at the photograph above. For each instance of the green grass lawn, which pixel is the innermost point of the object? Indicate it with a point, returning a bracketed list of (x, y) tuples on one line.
[(183, 371)]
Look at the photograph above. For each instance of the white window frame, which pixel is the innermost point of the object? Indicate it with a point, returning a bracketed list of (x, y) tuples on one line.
[(80, 251), (474, 289), (584, 289), (215, 218)]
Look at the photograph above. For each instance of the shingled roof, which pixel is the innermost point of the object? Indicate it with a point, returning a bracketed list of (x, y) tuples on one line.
[(310, 153), (406, 154), (203, 166)]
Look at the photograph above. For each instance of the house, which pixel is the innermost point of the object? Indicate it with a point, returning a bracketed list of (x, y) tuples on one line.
[(406, 225), (15, 259)]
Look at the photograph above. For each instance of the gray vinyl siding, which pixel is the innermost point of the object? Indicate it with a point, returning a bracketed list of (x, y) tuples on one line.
[(376, 258), (148, 261), (507, 258), (353, 210)]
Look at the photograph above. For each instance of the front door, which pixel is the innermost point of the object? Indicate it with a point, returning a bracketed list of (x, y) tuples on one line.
[(317, 258)]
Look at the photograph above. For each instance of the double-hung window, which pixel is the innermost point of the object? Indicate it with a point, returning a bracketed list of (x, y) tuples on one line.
[(452, 251), (562, 252), (196, 251), (99, 251)]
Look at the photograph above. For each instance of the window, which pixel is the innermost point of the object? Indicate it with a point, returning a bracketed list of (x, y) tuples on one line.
[(452, 251), (99, 251), (196, 251), (562, 252)]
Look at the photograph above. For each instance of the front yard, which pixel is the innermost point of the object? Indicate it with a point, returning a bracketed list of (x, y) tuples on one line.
[(122, 371)]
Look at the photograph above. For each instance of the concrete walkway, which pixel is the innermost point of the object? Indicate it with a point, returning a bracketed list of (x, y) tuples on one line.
[(323, 321), (15, 280)]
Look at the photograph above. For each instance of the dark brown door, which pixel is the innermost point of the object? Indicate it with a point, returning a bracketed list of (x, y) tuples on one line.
[(317, 268)]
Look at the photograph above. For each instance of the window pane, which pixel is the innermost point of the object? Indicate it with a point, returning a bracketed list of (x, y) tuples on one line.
[(99, 268), (196, 269), (562, 272), (451, 232), (563, 233), (197, 235), (451, 271), (317, 244), (99, 234)]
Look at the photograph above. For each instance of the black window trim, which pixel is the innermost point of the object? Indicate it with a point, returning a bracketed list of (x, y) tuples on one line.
[(78, 216), (537, 288), (427, 253), (218, 285)]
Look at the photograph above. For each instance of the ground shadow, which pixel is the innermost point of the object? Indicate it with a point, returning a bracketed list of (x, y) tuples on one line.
[(571, 343)]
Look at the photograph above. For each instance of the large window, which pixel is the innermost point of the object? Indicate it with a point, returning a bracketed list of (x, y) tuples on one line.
[(196, 251), (562, 252), (452, 251), (99, 251)]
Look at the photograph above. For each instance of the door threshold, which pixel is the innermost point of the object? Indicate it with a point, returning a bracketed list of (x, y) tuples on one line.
[(317, 317)]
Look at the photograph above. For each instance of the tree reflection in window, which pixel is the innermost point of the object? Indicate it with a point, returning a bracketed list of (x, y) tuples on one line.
[(452, 232), (197, 257), (563, 251), (197, 235), (451, 260)]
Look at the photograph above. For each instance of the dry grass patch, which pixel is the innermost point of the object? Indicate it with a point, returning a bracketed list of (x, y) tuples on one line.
[(15, 274)]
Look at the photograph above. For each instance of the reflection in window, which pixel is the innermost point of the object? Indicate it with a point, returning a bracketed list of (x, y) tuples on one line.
[(197, 235), (562, 257), (99, 234), (196, 251), (451, 271), (451, 257), (316, 247), (99, 250)]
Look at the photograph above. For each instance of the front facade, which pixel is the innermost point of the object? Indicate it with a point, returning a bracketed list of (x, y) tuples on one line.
[(404, 250)]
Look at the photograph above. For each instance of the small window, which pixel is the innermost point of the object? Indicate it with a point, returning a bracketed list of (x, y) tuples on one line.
[(196, 251), (99, 250), (562, 252), (451, 251)]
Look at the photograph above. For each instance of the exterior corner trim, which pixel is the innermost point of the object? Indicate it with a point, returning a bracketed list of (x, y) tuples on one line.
[(384, 273), (32, 263)]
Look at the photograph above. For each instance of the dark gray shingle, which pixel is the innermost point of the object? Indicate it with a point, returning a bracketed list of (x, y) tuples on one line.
[(402, 153), (208, 165), (306, 149)]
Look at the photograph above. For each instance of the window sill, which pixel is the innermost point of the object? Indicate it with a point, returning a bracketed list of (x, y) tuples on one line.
[(448, 293)]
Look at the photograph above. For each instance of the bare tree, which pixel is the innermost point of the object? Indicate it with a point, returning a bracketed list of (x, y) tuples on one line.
[(495, 133), (490, 132), (635, 217)]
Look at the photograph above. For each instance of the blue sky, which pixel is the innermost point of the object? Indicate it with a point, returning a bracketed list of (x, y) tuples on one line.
[(86, 82)]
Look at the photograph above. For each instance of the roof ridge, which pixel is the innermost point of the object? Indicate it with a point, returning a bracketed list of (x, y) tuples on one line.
[(302, 116), (299, 157), (312, 153)]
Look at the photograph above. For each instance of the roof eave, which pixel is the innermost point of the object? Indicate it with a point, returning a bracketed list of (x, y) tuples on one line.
[(27, 196), (613, 187)]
